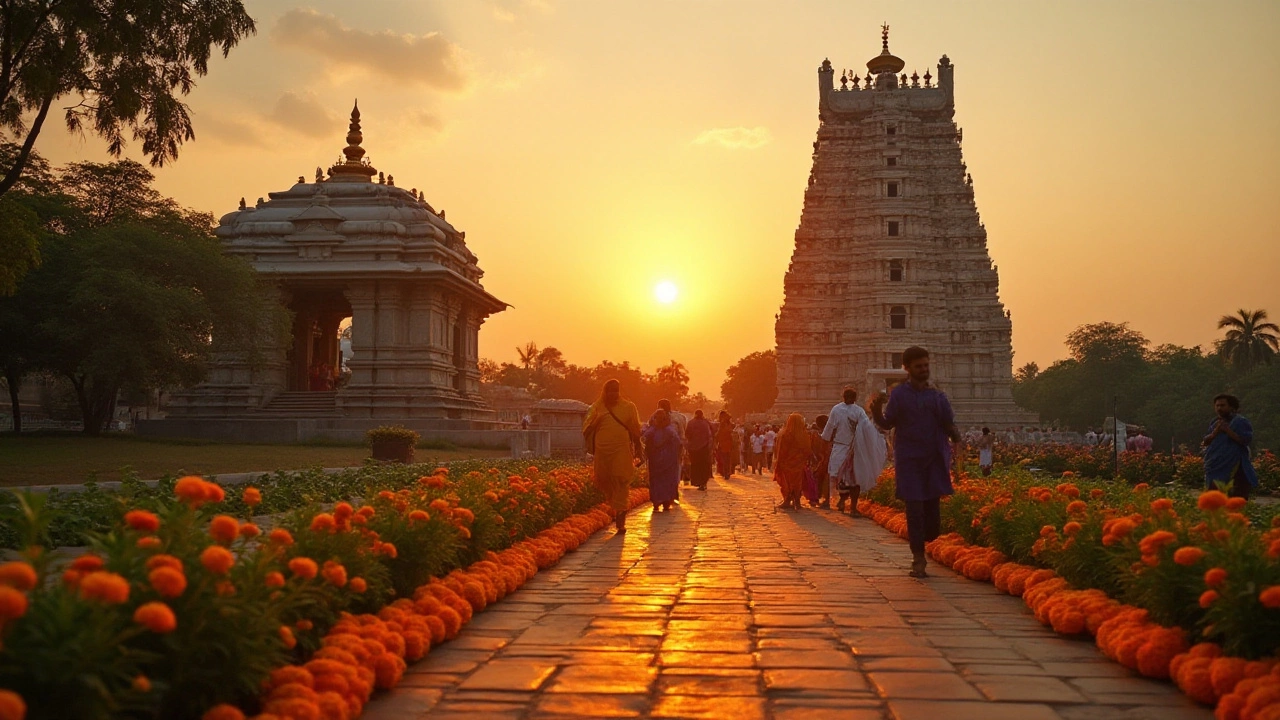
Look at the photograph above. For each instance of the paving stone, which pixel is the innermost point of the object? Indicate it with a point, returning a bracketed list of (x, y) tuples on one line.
[(935, 710), (926, 685), (1004, 688), (728, 609)]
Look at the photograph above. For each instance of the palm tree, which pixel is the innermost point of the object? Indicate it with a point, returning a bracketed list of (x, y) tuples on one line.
[(1249, 340), (528, 355)]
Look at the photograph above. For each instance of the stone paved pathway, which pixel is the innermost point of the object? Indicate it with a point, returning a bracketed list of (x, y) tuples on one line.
[(727, 609)]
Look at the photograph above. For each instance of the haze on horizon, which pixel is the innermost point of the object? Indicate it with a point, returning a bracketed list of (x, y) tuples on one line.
[(1125, 156)]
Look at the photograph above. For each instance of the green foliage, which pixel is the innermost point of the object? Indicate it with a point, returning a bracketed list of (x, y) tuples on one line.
[(751, 384), (1168, 390), (1250, 340), (544, 373), (126, 63), (391, 433)]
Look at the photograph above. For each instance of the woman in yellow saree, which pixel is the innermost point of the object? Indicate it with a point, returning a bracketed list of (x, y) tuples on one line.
[(612, 431)]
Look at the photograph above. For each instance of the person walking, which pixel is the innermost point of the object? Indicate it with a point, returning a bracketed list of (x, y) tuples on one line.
[(770, 440), (1227, 458), (794, 452), (662, 446), (986, 443), (757, 450), (857, 451), (923, 422), (612, 434), (701, 439), (680, 422), (821, 458), (724, 445)]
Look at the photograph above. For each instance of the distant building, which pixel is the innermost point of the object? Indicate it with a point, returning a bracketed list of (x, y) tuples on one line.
[(349, 246), (890, 252)]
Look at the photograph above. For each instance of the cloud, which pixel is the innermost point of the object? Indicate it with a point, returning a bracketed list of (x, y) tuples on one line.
[(427, 120), (736, 138), (305, 115), (428, 59), (229, 130)]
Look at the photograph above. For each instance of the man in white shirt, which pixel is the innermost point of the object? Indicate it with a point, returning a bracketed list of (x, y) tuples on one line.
[(757, 450), (858, 450), (770, 437), (1091, 437)]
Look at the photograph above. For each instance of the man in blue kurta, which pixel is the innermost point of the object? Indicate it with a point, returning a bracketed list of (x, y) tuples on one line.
[(1226, 449), (924, 428)]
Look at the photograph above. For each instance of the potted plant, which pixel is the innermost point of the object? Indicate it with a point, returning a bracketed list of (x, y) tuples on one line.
[(393, 443)]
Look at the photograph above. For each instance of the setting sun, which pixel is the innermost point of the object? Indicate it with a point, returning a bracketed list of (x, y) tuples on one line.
[(666, 292)]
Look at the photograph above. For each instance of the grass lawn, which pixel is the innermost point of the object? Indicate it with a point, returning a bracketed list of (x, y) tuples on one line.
[(73, 459)]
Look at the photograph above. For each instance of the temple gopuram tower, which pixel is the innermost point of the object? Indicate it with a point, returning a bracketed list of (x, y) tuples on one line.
[(890, 252)]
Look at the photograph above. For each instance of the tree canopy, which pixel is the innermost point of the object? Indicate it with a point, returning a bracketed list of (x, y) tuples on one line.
[(1168, 389), (751, 384), (545, 373), (1250, 340), (131, 292)]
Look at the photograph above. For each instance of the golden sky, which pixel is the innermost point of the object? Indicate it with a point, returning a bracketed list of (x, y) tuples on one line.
[(1125, 154)]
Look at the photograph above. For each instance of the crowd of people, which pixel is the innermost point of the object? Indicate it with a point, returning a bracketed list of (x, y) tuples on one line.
[(843, 452)]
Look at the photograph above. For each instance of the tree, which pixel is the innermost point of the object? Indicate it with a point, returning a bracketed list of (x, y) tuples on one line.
[(751, 384), (124, 63), (157, 276), (1249, 341), (528, 355), (1026, 373), (1106, 342), (672, 380)]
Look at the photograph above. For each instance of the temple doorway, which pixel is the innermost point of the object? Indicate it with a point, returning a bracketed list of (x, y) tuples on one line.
[(316, 362)]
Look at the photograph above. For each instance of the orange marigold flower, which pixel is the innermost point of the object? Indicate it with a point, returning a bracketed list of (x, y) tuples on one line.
[(1214, 577), (1154, 542), (12, 706), (366, 512), (1141, 487), (335, 574), (1071, 528), (87, 563), (303, 567), (389, 550), (1075, 507), (217, 559), (1161, 505), (141, 683), (323, 522), (1189, 555), (358, 585), (168, 582), (280, 536), (1096, 493), (190, 490), (18, 575), (224, 529), (1270, 597), (252, 496), (149, 542), (1208, 597), (286, 636), (1048, 531), (1211, 500), (223, 712), (225, 588), (13, 604), (440, 505), (1236, 503), (249, 530), (213, 492), (304, 624), (419, 516), (463, 515), (156, 617), (273, 579), (106, 587), (163, 560), (142, 521), (342, 511), (1273, 550)]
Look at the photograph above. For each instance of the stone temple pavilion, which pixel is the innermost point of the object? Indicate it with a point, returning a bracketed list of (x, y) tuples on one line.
[(358, 262), (891, 252)]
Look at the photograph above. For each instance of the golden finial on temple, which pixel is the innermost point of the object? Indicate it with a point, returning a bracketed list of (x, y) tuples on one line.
[(884, 35)]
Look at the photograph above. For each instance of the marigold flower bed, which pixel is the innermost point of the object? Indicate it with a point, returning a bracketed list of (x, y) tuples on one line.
[(187, 612), (1189, 569)]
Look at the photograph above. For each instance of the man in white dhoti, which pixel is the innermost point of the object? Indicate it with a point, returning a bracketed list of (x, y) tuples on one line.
[(858, 451)]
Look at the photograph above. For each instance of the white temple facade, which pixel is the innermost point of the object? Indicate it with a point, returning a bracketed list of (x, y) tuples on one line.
[(349, 250), (890, 252)]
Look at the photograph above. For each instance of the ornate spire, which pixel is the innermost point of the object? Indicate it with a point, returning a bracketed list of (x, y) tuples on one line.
[(355, 168), (885, 62), (884, 38)]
